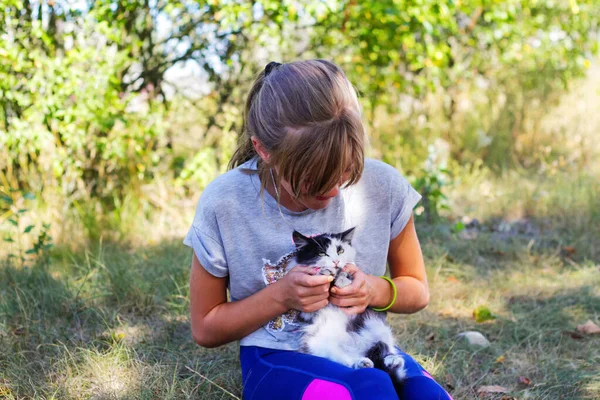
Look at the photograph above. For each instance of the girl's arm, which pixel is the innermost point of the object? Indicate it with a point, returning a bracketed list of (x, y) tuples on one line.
[(407, 269), (216, 321)]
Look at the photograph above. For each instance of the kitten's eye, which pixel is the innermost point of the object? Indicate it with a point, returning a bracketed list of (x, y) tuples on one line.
[(340, 251), (323, 254)]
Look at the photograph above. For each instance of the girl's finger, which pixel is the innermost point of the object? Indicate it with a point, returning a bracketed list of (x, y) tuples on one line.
[(307, 269), (301, 268), (347, 302), (310, 300), (317, 306), (350, 290), (342, 295), (344, 292), (314, 280), (322, 290), (351, 267)]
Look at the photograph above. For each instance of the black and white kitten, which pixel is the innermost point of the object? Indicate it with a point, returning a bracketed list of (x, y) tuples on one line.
[(357, 341)]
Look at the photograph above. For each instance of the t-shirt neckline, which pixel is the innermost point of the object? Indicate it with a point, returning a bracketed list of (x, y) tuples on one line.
[(251, 167)]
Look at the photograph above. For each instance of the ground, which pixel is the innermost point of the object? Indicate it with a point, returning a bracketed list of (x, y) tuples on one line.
[(108, 321)]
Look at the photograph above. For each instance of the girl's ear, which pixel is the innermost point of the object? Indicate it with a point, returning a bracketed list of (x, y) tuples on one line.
[(260, 149)]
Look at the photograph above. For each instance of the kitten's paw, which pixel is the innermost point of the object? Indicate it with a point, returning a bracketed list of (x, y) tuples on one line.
[(342, 280), (400, 374), (364, 362), (393, 361), (395, 365)]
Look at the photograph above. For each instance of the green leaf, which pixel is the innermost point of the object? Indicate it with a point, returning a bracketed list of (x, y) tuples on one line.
[(22, 210), (9, 240), (12, 221), (458, 227), (31, 251), (28, 229), (482, 314), (6, 199), (29, 196)]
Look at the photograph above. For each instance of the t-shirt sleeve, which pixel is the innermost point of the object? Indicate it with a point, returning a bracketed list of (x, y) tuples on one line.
[(403, 198), (204, 238)]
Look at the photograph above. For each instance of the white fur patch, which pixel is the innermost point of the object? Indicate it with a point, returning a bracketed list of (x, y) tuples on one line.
[(327, 337)]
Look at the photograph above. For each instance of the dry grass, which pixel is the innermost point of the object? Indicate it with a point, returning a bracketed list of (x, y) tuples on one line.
[(106, 321), (112, 321)]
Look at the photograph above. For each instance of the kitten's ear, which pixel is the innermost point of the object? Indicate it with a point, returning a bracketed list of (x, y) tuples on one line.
[(346, 236), (299, 239)]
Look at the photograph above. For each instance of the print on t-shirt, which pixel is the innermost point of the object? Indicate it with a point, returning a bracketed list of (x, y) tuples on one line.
[(271, 274)]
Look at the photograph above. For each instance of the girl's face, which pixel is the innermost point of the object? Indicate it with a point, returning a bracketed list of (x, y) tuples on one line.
[(303, 201)]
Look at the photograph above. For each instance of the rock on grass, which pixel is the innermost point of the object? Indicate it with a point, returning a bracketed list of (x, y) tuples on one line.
[(475, 338)]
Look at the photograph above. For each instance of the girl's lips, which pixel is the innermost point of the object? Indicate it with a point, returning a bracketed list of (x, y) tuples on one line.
[(320, 198)]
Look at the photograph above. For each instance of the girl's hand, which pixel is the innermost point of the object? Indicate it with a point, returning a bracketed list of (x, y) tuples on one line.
[(353, 299), (301, 290)]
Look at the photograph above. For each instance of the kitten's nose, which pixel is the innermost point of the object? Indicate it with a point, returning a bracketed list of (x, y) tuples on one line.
[(336, 262)]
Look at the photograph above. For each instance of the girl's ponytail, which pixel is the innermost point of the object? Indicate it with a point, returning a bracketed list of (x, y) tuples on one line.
[(245, 150)]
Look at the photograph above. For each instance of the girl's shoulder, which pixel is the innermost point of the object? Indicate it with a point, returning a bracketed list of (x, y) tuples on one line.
[(230, 186), (234, 178), (372, 164), (381, 173)]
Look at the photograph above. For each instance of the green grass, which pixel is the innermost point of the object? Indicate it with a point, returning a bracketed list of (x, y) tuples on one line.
[(107, 316), (106, 322), (112, 321)]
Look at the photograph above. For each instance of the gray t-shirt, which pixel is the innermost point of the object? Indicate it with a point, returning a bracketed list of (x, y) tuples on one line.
[(236, 233)]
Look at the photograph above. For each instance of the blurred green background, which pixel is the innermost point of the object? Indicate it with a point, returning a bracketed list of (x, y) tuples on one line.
[(105, 102), (114, 115)]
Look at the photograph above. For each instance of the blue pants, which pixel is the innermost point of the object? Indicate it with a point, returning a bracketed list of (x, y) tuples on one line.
[(288, 375)]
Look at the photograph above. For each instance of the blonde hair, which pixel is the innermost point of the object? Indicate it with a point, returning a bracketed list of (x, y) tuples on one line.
[(306, 115)]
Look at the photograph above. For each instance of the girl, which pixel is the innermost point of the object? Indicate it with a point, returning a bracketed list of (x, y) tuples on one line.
[(301, 167)]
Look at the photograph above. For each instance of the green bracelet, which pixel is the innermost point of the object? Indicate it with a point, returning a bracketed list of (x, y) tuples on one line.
[(393, 299)]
